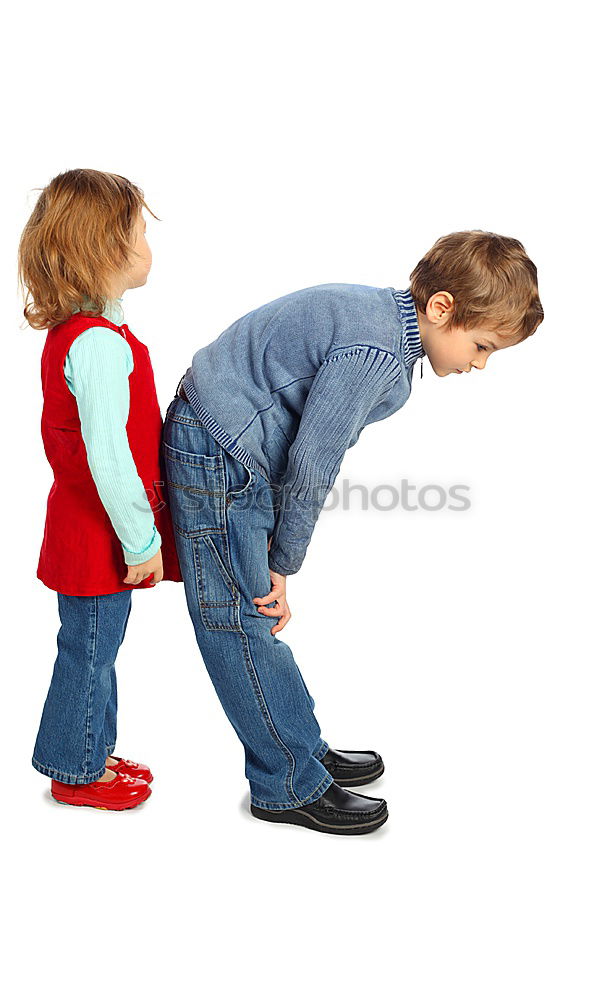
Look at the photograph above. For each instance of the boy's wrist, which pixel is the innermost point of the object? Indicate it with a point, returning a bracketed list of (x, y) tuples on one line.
[(276, 567)]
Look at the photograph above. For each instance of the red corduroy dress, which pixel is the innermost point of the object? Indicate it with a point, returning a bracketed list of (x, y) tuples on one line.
[(81, 554)]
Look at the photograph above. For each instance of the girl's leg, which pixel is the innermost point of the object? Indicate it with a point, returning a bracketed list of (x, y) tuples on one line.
[(71, 742), (111, 711)]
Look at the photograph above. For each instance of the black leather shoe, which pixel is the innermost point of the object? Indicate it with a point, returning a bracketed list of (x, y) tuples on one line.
[(353, 767), (337, 811)]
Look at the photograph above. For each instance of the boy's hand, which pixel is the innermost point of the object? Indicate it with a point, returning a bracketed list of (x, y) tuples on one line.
[(152, 566), (278, 594)]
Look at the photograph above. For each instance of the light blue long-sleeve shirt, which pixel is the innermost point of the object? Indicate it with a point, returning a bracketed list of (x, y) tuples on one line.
[(97, 370), (290, 386)]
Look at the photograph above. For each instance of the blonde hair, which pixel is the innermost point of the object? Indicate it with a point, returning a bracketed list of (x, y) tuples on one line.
[(493, 282), (79, 233)]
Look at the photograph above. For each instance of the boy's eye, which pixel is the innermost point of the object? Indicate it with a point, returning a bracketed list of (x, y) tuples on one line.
[(481, 347)]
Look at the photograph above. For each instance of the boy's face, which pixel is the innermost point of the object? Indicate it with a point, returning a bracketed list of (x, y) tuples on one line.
[(452, 349)]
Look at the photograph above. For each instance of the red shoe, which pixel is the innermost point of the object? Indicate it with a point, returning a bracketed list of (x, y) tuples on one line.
[(130, 767), (122, 792)]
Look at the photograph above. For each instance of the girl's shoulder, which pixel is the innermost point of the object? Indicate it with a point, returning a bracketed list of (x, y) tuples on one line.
[(102, 346)]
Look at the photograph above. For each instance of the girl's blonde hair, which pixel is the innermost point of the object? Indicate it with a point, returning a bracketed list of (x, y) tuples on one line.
[(79, 233), (493, 282)]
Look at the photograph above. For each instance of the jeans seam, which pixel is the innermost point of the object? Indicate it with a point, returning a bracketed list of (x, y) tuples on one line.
[(189, 421), (91, 661)]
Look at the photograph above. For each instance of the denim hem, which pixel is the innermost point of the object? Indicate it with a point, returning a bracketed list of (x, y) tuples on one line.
[(68, 779), (325, 748), (110, 750), (326, 782)]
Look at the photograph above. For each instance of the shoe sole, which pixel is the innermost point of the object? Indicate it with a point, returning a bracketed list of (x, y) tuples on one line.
[(93, 805), (364, 779), (298, 818)]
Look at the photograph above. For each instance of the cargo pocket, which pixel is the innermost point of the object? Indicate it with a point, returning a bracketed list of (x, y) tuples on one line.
[(218, 593)]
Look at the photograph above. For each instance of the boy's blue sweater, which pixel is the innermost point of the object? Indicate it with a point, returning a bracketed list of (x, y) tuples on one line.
[(290, 386)]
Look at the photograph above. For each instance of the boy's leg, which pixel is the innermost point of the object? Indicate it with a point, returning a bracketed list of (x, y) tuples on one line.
[(71, 744), (223, 515)]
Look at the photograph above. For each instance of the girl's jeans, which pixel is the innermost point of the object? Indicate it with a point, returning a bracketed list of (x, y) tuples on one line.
[(223, 515), (79, 722)]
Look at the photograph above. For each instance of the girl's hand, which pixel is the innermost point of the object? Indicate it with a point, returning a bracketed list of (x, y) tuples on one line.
[(278, 594), (151, 567)]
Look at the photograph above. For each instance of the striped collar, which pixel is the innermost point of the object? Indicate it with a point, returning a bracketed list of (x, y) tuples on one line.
[(410, 336)]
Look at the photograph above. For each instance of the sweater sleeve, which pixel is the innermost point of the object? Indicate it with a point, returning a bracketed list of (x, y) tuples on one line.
[(97, 370), (346, 387)]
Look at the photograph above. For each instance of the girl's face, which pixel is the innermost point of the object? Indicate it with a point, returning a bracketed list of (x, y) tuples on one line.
[(142, 258)]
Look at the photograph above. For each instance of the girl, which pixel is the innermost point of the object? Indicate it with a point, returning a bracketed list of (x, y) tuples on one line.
[(107, 529)]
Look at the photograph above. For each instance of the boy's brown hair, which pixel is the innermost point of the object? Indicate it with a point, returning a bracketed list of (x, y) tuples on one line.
[(79, 233), (493, 282)]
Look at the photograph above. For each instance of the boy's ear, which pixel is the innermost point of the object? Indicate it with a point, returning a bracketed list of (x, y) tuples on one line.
[(439, 307)]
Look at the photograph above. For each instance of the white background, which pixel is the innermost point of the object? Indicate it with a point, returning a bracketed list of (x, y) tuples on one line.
[(282, 146)]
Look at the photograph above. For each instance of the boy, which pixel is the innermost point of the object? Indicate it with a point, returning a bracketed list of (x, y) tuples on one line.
[(253, 442)]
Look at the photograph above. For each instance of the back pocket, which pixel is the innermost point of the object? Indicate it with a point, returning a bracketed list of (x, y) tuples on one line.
[(197, 491)]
